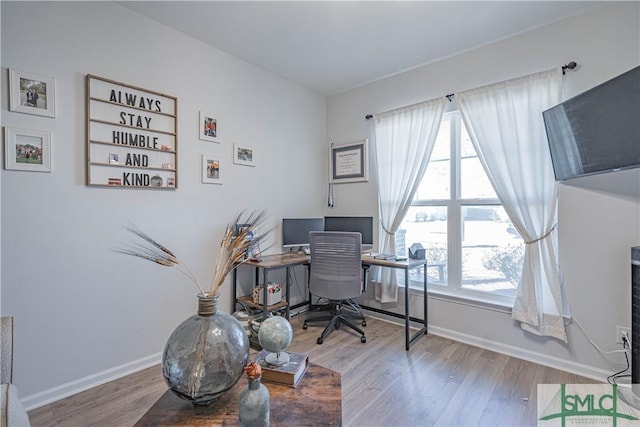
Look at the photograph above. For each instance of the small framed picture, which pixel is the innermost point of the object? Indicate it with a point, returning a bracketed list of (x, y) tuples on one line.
[(243, 155), (208, 129), (27, 150), (211, 173), (31, 93)]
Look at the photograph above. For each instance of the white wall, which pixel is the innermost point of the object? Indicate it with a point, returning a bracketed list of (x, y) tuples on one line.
[(596, 228), (84, 313)]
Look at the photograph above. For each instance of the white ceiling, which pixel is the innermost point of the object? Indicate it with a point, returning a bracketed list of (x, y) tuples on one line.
[(330, 47)]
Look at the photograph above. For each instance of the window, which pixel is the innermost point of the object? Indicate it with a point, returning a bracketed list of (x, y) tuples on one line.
[(471, 246)]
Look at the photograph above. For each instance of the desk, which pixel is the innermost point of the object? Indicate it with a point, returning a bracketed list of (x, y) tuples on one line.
[(406, 265), (288, 260), (315, 401), (267, 264)]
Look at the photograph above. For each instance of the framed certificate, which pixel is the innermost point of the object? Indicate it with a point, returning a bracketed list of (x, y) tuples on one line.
[(349, 162)]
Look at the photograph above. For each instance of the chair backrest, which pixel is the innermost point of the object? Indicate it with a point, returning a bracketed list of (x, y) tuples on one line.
[(336, 264), (6, 350)]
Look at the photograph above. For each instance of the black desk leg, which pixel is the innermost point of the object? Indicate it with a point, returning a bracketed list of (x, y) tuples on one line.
[(265, 312), (424, 297), (406, 310), (287, 282), (423, 329), (234, 288)]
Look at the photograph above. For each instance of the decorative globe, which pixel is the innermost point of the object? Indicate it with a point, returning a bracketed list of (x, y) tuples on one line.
[(275, 335)]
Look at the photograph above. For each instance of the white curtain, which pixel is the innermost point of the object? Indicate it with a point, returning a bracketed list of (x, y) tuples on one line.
[(506, 126), (403, 140)]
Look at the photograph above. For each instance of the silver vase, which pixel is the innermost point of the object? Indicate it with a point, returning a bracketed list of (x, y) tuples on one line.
[(254, 405), (206, 354)]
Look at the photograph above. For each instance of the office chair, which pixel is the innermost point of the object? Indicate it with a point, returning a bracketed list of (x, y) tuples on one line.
[(335, 274)]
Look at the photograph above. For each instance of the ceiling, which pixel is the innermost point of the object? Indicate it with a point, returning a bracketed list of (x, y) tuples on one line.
[(330, 47)]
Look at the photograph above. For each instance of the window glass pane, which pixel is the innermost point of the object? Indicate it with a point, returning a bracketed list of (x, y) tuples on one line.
[(436, 180), (492, 251), (426, 225), (474, 183)]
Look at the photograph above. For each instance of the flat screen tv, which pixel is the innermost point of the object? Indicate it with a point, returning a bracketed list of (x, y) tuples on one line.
[(295, 231), (597, 131), (361, 224)]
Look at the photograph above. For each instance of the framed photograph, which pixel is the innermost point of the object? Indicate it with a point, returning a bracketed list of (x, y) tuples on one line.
[(243, 155), (208, 128), (32, 94), (211, 173), (349, 162), (27, 150)]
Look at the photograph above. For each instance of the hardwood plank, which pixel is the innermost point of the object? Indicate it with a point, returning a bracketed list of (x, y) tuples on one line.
[(468, 403), (382, 384), (511, 399)]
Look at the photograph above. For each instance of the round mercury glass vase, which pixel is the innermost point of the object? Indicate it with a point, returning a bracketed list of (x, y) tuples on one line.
[(206, 354)]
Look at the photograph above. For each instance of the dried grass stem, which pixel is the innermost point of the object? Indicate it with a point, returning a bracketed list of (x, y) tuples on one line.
[(233, 249)]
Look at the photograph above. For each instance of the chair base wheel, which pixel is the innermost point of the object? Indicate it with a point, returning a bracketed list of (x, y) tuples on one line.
[(320, 340), (364, 323), (363, 339), (304, 326)]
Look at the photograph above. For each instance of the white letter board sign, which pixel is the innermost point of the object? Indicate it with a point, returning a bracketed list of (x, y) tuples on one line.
[(132, 136)]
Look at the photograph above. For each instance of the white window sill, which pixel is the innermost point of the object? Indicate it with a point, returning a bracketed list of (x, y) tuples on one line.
[(478, 301)]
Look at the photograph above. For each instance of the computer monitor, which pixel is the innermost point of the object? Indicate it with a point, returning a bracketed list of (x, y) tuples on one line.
[(361, 224), (295, 231)]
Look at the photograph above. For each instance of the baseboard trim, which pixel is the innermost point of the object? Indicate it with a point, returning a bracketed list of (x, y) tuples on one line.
[(596, 374), (73, 387), (599, 375)]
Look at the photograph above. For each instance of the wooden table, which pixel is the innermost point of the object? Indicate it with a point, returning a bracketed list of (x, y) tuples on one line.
[(315, 401)]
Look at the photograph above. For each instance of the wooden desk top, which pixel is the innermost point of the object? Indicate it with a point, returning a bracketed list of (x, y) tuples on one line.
[(279, 260), (316, 400), (406, 264), (295, 258)]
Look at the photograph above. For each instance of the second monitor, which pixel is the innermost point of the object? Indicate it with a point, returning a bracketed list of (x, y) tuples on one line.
[(361, 224)]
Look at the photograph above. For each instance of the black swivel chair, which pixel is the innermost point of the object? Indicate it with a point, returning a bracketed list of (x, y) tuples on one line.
[(336, 274)]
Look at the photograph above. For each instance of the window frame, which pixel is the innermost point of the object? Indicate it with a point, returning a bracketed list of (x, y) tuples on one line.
[(453, 288)]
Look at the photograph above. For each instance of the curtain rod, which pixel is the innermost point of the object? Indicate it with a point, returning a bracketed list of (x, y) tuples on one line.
[(570, 66)]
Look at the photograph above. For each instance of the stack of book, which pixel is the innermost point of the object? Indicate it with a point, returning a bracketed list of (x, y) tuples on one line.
[(289, 374)]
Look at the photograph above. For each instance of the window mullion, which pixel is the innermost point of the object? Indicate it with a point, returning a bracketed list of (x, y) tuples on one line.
[(454, 209), (492, 250)]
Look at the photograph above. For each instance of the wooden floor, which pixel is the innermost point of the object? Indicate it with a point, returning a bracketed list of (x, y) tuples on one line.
[(439, 382)]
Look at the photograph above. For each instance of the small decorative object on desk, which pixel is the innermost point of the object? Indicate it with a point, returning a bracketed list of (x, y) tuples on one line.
[(289, 374), (274, 294), (274, 336), (206, 354), (386, 257), (254, 400)]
